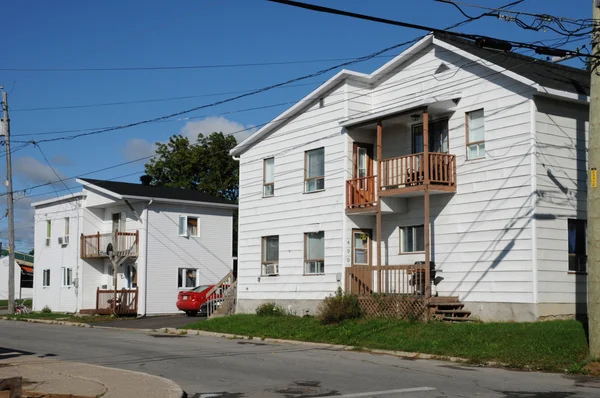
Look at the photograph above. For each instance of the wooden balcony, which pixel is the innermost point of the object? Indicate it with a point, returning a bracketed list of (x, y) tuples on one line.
[(360, 193), (123, 244), (366, 280), (407, 173)]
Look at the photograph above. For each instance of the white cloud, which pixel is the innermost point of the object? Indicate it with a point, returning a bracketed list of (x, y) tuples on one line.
[(30, 170), (217, 124), (62, 160), (138, 148)]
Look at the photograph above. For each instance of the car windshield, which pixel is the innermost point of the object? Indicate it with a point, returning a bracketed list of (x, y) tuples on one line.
[(200, 288)]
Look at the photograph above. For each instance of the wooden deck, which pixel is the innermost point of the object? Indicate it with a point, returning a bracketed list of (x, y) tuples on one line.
[(126, 302)]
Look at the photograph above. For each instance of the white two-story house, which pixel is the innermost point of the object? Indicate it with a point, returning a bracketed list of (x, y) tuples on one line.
[(161, 240), (451, 171)]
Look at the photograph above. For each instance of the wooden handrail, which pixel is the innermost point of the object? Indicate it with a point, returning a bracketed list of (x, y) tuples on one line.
[(219, 284)]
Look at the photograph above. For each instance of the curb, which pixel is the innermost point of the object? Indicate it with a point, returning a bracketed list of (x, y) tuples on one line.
[(340, 347), (48, 322)]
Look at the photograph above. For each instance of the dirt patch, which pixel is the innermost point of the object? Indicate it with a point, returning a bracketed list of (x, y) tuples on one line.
[(592, 368), (31, 394)]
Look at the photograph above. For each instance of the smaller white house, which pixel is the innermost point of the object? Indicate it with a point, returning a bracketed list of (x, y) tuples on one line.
[(23, 276), (160, 240)]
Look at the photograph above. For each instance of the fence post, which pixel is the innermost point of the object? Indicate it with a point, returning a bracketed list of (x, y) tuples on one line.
[(98, 247)]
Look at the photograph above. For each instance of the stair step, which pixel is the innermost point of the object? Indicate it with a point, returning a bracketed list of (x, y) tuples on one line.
[(444, 299), (456, 312), (452, 319), (446, 306)]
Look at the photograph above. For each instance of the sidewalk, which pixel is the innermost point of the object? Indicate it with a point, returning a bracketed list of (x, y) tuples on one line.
[(82, 380)]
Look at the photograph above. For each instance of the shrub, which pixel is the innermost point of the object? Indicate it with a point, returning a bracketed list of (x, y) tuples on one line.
[(270, 309), (46, 310), (339, 307)]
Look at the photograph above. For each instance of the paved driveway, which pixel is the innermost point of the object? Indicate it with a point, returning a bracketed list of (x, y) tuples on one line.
[(152, 322)]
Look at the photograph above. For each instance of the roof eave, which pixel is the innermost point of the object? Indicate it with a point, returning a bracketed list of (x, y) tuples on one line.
[(554, 93), (181, 201), (59, 199)]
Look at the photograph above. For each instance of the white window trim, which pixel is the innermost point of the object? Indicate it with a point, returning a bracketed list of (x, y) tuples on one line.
[(64, 271), (183, 279), (402, 232), (470, 143), (44, 285), (48, 233), (186, 233), (263, 262), (307, 179)]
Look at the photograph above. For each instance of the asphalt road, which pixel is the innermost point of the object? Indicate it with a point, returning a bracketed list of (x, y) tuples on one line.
[(218, 367)]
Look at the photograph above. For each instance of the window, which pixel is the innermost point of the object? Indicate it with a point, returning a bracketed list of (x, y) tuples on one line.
[(189, 226), (187, 278), (412, 239), (67, 276), (48, 232), (314, 253), (66, 227), (577, 230), (46, 278), (26, 277), (270, 255), (314, 170), (475, 135), (360, 244), (269, 177), (438, 137)]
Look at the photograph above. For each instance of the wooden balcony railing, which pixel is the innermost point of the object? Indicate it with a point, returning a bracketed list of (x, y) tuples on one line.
[(395, 279), (409, 170), (122, 244), (126, 302), (360, 192)]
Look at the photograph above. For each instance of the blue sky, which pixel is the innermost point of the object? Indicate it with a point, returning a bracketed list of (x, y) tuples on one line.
[(121, 34)]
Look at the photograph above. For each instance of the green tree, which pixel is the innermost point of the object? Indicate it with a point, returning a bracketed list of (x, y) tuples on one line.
[(204, 165), (31, 252)]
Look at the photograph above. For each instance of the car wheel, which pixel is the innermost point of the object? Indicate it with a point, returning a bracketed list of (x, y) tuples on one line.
[(191, 313)]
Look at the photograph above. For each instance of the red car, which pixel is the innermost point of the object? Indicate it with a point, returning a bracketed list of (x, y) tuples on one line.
[(192, 301)]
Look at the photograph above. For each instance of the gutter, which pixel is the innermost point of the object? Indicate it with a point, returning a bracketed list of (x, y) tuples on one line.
[(145, 296)]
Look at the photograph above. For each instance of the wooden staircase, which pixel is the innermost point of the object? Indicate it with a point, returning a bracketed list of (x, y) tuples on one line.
[(448, 309), (222, 298)]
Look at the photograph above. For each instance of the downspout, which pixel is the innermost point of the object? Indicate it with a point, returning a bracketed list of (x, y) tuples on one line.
[(534, 243), (145, 279)]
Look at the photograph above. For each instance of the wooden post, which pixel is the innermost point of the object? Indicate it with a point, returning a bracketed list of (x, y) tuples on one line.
[(378, 214), (98, 247), (97, 298), (137, 293), (82, 246), (426, 205)]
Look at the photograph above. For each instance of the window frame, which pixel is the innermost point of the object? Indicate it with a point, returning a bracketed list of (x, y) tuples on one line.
[(368, 250), (577, 256), (445, 120), (307, 179), (66, 276), (265, 183), (263, 261), (469, 144), (67, 227), (182, 271), (308, 260), (403, 231), (48, 233), (187, 234), (46, 280)]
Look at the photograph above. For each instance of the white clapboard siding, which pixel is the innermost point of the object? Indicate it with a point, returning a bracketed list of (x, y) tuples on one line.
[(210, 253), (561, 174)]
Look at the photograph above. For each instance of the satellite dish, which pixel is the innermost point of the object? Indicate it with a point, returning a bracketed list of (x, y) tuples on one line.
[(109, 249)]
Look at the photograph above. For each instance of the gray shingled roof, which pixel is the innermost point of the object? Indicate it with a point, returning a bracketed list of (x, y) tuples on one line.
[(157, 192), (547, 74)]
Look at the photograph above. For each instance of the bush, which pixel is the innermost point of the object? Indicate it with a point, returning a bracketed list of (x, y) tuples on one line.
[(46, 310), (270, 309), (337, 308)]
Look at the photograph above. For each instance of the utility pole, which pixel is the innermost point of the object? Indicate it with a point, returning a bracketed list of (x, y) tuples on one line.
[(593, 196), (11, 215)]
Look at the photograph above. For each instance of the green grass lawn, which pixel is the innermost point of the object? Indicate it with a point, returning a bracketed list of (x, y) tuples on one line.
[(554, 346), (54, 316), (4, 303)]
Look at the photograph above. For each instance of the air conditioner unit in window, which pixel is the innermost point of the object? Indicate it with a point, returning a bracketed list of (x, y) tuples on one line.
[(271, 269), (61, 240)]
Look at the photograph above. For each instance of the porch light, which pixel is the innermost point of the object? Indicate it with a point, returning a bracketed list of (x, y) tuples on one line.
[(415, 117)]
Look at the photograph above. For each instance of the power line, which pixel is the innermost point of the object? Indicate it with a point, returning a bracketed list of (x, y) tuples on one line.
[(48, 108), (181, 67), (481, 40)]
